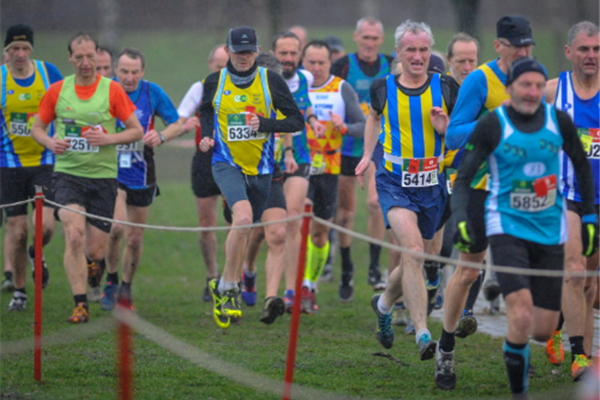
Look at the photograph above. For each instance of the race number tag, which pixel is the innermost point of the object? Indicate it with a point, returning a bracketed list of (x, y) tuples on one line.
[(78, 141), (239, 129), (590, 139), (21, 123), (533, 196), (450, 182), (125, 160), (129, 147), (317, 167), (419, 172)]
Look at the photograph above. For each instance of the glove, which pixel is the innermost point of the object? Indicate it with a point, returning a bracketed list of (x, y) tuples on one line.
[(589, 234), (462, 237)]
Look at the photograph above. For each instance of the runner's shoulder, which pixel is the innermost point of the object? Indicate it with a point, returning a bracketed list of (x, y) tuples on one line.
[(309, 76), (340, 67), (53, 73)]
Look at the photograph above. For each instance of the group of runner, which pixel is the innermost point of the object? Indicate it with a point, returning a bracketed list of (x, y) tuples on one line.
[(277, 130)]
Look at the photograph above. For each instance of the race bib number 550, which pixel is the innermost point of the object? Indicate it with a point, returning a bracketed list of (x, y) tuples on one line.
[(239, 129)]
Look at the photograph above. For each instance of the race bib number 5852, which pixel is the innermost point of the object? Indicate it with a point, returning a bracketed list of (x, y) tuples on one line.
[(534, 196)]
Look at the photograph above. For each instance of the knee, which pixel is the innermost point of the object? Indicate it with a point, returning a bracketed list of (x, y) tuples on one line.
[(134, 241), (373, 205), (242, 218), (116, 232), (75, 238), (208, 220), (466, 276), (521, 319), (277, 237)]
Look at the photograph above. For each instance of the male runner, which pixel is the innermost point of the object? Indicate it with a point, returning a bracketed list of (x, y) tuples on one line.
[(526, 219), (104, 62), (85, 107), (360, 69), (577, 93), (23, 163), (336, 46), (334, 102), (480, 93), (137, 176), (203, 184), (411, 112), (239, 104), (301, 34)]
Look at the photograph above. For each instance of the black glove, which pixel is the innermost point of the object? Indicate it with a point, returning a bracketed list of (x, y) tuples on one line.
[(463, 237), (589, 234)]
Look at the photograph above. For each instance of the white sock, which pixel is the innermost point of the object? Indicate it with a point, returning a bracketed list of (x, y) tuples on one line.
[(313, 286), (306, 283), (225, 286), (422, 332), (249, 274), (382, 307)]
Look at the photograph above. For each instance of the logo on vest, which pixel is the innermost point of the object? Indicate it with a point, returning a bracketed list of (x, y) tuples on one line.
[(11, 91), (240, 98), (534, 169), (227, 93), (567, 106), (25, 96)]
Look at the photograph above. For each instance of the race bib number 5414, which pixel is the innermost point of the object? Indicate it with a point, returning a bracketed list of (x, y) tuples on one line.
[(420, 172)]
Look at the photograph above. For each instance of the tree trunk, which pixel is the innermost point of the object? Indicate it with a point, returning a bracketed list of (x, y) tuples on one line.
[(467, 12), (274, 10), (109, 11)]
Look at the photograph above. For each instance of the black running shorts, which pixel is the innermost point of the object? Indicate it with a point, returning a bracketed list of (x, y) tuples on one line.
[(140, 197), (322, 191), (203, 183), (18, 184)]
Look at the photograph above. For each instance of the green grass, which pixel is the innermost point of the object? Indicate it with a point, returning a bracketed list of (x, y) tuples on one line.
[(335, 346)]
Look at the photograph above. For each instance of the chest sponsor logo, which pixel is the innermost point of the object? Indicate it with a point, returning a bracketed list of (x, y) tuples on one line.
[(11, 91), (240, 98), (534, 169), (514, 150), (551, 147), (25, 96)]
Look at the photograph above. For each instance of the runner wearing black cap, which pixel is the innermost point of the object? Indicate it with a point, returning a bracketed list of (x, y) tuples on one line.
[(23, 163), (239, 107), (525, 217)]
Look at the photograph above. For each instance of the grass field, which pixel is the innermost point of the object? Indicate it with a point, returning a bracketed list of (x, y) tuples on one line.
[(334, 350)]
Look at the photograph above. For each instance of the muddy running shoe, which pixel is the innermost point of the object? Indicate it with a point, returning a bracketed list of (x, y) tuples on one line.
[(248, 289), (554, 349), (432, 289), (426, 346), (45, 272), (206, 296), (346, 290), (580, 366), (109, 297), (8, 284), (445, 375), (385, 333), (222, 320), (491, 288), (467, 324), (94, 274), (230, 304), (375, 280), (272, 308), (95, 294), (327, 274), (17, 303), (308, 303), (288, 299), (80, 314)]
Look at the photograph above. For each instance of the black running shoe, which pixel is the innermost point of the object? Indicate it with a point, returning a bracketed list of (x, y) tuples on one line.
[(273, 307), (45, 272), (346, 291), (445, 376), (206, 296)]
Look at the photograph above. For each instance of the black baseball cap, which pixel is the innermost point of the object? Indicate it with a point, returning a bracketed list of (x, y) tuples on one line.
[(515, 29), (20, 33), (242, 39), (522, 65), (334, 42)]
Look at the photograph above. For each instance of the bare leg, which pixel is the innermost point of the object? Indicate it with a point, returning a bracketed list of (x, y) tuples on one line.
[(134, 237), (257, 235), (74, 226), (237, 240), (275, 235), (346, 207), (113, 250), (295, 189), (207, 218), (17, 232)]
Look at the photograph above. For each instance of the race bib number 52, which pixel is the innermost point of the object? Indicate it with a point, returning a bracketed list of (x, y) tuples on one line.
[(79, 142), (239, 128)]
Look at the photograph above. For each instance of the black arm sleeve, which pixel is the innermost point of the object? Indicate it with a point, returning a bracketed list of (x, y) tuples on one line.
[(354, 114), (483, 142), (283, 101), (583, 171), (340, 67), (378, 95), (449, 91), (207, 112)]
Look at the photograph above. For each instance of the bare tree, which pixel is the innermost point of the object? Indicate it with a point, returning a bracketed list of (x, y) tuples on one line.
[(467, 11), (109, 12), (274, 10)]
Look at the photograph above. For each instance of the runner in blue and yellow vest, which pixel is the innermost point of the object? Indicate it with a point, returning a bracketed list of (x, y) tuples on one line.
[(409, 114), (360, 69), (481, 92), (23, 163), (238, 118), (85, 108)]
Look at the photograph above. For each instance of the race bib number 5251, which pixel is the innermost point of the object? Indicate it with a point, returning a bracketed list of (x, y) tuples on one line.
[(79, 143)]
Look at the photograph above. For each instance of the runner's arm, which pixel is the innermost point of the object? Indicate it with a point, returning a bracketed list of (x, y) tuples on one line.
[(284, 102), (165, 110), (207, 111), (340, 67), (583, 171), (483, 142), (354, 114), (132, 133)]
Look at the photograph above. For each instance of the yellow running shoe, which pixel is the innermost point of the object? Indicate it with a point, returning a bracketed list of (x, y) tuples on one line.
[(554, 349), (579, 366), (80, 314), (222, 320)]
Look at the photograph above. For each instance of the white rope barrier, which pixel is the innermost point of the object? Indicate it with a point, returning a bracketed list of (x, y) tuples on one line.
[(18, 203)]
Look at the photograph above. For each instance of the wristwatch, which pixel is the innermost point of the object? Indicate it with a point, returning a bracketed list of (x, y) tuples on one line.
[(162, 138)]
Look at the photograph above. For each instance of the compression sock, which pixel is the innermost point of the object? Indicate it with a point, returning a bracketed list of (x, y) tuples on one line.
[(447, 341), (561, 322), (8, 275), (112, 278), (374, 253), (319, 258), (80, 298), (516, 357), (431, 270), (474, 291), (308, 267), (125, 289), (346, 259), (576, 346)]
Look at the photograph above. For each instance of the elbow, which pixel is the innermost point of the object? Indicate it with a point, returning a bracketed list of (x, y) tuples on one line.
[(299, 124), (139, 133)]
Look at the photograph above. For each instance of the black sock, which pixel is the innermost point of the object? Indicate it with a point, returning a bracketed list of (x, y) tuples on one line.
[(112, 278), (447, 341), (516, 357), (561, 322), (102, 264), (346, 260), (80, 298), (125, 288), (87, 259), (431, 270), (576, 346), (474, 291), (22, 291), (31, 251), (8, 275), (375, 252)]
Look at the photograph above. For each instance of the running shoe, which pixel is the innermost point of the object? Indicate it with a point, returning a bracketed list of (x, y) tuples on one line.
[(327, 274), (95, 294), (45, 272), (221, 319), (375, 279), (94, 274), (467, 325), (248, 289), (580, 366), (124, 301), (554, 349), (288, 299), (109, 297), (439, 302), (308, 303), (206, 296), (80, 314), (230, 304), (385, 333), (432, 288), (410, 328), (346, 290), (426, 346), (272, 308), (399, 315), (445, 375), (17, 304), (8, 284), (491, 288)]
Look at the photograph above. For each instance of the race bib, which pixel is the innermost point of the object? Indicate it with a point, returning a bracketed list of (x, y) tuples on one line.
[(533, 196), (317, 166), (125, 160), (78, 141), (21, 123), (450, 182), (239, 129), (420, 172), (134, 146), (590, 139)]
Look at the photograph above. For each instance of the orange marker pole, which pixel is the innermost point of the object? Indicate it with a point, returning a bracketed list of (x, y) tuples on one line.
[(37, 350), (125, 385)]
